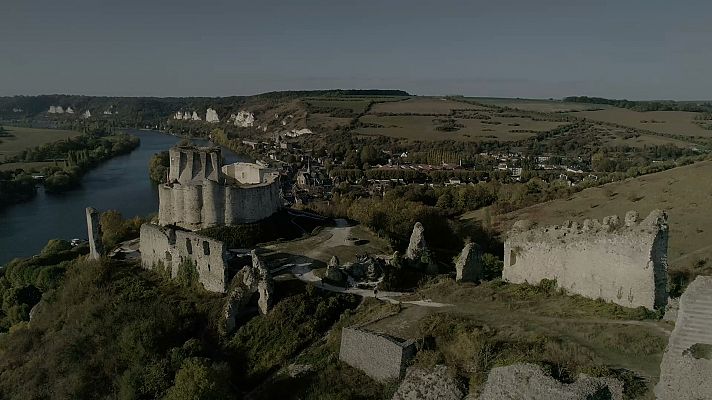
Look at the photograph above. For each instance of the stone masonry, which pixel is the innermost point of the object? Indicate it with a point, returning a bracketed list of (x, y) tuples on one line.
[(687, 363), (623, 263), (168, 248), (201, 193), (94, 232), (380, 356), (250, 280), (469, 264), (529, 381)]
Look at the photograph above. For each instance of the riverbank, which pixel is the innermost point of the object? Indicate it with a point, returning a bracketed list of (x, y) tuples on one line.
[(121, 183)]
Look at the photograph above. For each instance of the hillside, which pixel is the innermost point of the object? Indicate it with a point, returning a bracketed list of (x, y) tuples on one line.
[(683, 192)]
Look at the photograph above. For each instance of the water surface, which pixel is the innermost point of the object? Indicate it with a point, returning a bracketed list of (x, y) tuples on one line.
[(121, 184)]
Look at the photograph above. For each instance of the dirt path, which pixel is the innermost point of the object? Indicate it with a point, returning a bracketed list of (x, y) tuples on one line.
[(304, 273)]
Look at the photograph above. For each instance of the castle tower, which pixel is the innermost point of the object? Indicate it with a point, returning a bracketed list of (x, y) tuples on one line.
[(94, 232), (192, 165)]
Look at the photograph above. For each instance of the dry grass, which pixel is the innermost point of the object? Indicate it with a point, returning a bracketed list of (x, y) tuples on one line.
[(683, 192), (669, 122), (417, 127), (422, 105), (536, 104), (25, 138)]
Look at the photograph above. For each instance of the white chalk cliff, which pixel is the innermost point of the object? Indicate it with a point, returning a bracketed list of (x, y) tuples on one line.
[(211, 116)]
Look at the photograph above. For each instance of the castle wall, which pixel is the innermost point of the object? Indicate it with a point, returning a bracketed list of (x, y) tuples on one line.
[(197, 196), (687, 362), (169, 248), (193, 165), (622, 263), (381, 357), (212, 204)]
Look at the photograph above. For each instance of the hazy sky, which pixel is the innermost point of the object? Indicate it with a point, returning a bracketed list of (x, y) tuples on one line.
[(638, 49)]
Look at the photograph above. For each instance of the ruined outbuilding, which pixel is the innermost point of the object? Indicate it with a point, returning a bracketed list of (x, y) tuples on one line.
[(625, 263), (529, 381), (202, 193), (170, 250), (380, 356), (687, 363), (94, 234)]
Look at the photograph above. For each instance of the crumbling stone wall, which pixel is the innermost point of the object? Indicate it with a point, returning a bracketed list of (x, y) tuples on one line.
[(198, 195), (250, 280), (380, 356), (687, 363), (625, 263), (168, 248)]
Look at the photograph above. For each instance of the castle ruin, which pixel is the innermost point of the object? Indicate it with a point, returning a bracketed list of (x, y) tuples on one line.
[(623, 262), (94, 234), (380, 356), (168, 248), (201, 193)]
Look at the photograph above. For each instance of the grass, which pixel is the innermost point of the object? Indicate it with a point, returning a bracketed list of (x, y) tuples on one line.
[(422, 105), (539, 105), (668, 122), (25, 138), (30, 166), (683, 192), (496, 324)]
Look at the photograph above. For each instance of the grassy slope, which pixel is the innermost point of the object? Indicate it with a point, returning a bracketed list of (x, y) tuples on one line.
[(24, 138), (683, 192)]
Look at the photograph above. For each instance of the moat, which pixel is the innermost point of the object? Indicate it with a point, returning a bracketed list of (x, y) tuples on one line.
[(121, 184)]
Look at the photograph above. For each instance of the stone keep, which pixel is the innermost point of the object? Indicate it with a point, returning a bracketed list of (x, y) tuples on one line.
[(687, 363), (200, 193), (94, 232), (622, 263), (169, 248), (381, 357)]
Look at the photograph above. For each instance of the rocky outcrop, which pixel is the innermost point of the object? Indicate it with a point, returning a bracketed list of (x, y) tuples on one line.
[(195, 117), (333, 272), (687, 363), (365, 267), (94, 234), (211, 116), (86, 114), (529, 381), (435, 384), (69, 110), (251, 279), (243, 119), (417, 245), (469, 264), (56, 110)]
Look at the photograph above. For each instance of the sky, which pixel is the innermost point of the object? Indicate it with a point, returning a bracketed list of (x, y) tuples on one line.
[(634, 49)]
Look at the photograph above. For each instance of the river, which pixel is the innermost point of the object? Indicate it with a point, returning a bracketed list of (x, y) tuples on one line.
[(121, 184)]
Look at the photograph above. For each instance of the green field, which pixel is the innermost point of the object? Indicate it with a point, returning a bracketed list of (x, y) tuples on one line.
[(30, 166), (25, 138)]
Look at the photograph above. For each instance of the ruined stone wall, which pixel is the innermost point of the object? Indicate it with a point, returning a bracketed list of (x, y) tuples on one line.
[(169, 248), (381, 357), (687, 362), (190, 164), (625, 263)]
